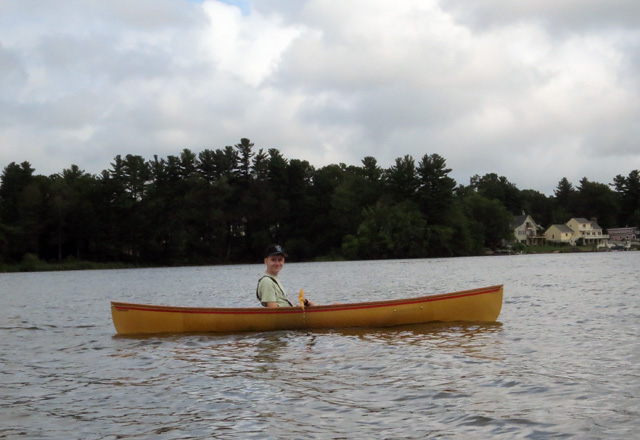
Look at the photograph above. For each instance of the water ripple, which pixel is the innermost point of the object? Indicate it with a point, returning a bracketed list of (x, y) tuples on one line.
[(561, 363)]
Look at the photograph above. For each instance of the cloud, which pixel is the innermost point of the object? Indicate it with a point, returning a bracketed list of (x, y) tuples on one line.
[(247, 46), (558, 17), (534, 92)]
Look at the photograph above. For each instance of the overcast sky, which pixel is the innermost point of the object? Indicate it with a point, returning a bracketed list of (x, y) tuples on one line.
[(534, 91)]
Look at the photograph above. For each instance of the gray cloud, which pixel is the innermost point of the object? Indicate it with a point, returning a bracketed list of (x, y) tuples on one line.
[(559, 17), (534, 92)]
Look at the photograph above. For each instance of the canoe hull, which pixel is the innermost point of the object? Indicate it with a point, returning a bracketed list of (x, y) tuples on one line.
[(481, 305)]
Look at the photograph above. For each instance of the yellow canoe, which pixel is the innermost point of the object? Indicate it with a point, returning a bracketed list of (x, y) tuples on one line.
[(481, 305)]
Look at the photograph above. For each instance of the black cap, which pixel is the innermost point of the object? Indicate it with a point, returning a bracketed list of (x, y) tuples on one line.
[(274, 249)]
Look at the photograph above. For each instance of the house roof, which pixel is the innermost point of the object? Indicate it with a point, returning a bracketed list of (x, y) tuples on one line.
[(518, 220), (594, 224), (581, 220), (627, 230), (562, 228)]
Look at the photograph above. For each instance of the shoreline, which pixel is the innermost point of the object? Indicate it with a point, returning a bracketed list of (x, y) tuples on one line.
[(33, 264)]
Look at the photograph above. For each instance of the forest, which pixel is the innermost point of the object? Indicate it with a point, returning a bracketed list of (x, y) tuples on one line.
[(226, 205)]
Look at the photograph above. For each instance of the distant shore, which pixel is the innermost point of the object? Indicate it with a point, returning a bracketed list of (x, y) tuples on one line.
[(556, 250), (33, 264)]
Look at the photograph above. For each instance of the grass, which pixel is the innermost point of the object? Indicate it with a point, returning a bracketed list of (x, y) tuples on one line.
[(31, 263)]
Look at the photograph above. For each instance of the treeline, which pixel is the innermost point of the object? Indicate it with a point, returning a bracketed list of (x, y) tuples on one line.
[(226, 205)]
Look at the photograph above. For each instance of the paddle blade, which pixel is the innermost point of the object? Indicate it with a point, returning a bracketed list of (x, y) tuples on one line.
[(301, 298)]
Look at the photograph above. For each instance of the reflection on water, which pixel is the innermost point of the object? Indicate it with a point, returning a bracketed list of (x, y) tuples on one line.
[(562, 361)]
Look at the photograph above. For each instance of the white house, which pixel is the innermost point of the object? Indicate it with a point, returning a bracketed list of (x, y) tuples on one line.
[(587, 232), (525, 230), (560, 234)]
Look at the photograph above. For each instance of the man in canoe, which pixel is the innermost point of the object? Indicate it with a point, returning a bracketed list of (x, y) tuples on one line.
[(269, 291)]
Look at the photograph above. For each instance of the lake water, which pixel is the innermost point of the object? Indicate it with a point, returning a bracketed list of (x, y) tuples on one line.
[(562, 362)]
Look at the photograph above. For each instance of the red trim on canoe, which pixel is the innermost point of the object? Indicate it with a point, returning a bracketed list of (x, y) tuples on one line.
[(261, 311)]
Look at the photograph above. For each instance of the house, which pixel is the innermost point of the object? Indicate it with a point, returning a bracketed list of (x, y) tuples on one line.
[(587, 232), (560, 234), (621, 235), (526, 230)]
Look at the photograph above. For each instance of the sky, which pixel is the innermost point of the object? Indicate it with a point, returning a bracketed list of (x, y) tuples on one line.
[(534, 91)]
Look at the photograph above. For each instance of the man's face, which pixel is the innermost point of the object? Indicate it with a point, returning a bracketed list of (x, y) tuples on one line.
[(274, 264)]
